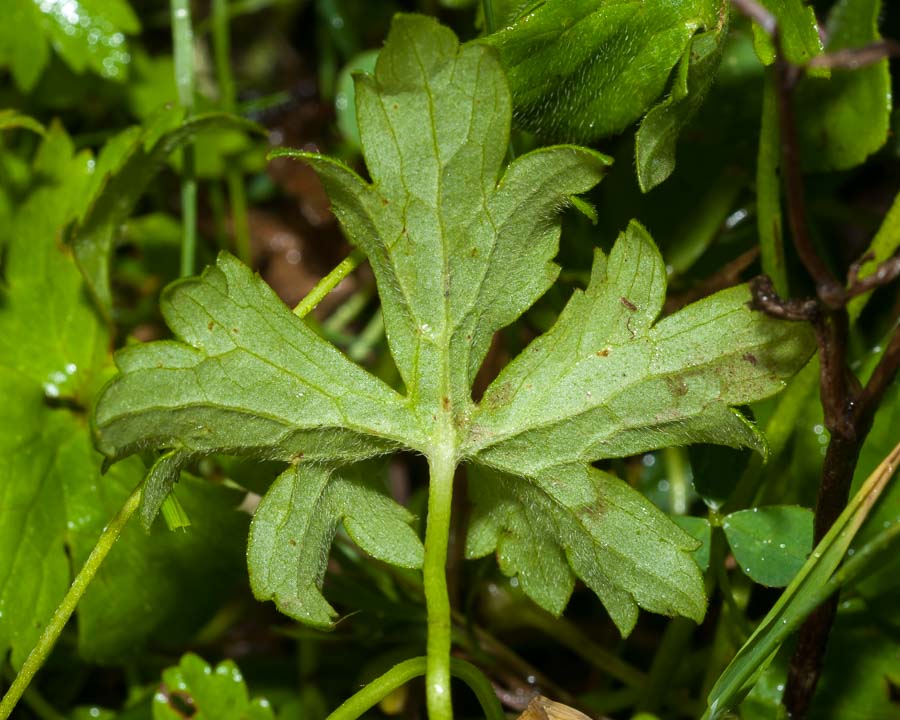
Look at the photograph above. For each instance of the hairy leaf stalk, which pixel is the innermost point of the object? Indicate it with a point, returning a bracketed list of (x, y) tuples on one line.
[(442, 462)]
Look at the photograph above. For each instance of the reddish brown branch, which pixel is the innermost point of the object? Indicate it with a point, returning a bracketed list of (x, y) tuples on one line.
[(848, 408)]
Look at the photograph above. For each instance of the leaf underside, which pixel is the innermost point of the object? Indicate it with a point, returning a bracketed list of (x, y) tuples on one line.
[(460, 247)]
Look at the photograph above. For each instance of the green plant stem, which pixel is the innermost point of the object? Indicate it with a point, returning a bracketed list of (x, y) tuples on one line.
[(442, 466), (237, 195), (188, 213), (183, 51), (34, 700), (568, 635), (222, 51), (329, 282), (666, 661), (349, 309), (490, 24), (64, 610), (403, 672), (366, 340)]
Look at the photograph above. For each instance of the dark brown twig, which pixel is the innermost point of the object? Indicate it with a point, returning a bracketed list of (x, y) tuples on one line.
[(848, 408), (855, 58), (885, 273)]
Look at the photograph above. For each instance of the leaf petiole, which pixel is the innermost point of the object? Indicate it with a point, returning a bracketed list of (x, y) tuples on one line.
[(442, 466)]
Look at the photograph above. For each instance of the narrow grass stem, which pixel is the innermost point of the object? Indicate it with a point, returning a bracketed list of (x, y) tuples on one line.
[(67, 606), (183, 52)]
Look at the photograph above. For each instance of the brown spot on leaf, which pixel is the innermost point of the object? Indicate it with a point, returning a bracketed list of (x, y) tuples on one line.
[(292, 542), (211, 325), (677, 386), (445, 401), (500, 396)]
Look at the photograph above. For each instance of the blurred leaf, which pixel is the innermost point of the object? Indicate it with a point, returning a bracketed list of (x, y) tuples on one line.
[(53, 357), (885, 244), (125, 168), (345, 97), (23, 46), (799, 32), (194, 689), (660, 129), (771, 543), (717, 470), (91, 34), (580, 70), (87, 34), (844, 119), (699, 529), (11, 119)]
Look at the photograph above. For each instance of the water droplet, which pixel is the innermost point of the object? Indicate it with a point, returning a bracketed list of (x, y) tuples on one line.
[(735, 219)]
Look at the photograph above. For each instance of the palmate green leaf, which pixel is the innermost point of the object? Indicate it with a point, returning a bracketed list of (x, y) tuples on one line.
[(294, 525), (53, 357), (581, 70), (125, 167), (209, 693), (460, 248)]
